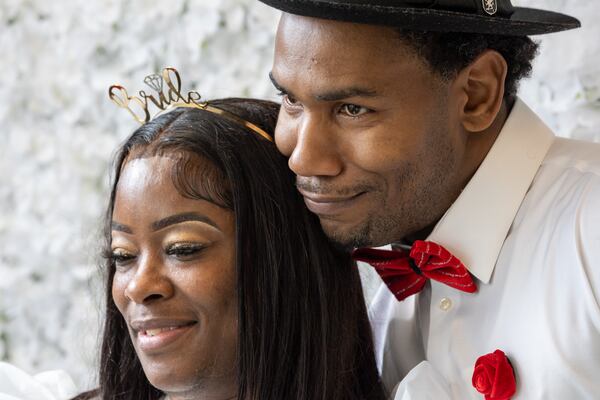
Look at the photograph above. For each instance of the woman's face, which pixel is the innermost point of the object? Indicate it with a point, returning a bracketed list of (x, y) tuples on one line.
[(175, 281)]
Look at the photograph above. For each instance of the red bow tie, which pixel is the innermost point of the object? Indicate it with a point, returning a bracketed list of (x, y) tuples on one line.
[(405, 274)]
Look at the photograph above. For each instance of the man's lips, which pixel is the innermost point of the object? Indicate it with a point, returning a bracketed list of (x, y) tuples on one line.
[(157, 333), (328, 205)]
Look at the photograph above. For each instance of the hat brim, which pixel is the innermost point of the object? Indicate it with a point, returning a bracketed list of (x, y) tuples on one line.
[(523, 22)]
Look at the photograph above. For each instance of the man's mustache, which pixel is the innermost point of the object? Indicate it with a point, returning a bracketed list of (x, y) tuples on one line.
[(322, 187)]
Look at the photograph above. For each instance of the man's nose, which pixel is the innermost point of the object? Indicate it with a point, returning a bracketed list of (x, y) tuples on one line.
[(314, 150), (149, 283)]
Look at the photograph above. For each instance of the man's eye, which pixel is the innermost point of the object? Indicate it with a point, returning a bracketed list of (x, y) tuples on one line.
[(290, 99), (352, 110), (184, 250)]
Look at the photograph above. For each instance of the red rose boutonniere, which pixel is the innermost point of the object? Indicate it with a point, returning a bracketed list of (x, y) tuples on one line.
[(494, 376)]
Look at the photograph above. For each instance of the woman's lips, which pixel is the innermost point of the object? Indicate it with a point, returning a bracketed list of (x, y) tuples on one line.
[(154, 335), (323, 205)]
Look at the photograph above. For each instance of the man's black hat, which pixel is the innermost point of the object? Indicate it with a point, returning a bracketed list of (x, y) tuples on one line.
[(476, 16)]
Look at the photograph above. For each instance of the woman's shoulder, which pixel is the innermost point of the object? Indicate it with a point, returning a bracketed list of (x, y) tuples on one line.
[(49, 385)]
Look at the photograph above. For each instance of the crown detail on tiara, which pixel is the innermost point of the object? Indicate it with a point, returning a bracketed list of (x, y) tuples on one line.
[(155, 82), (138, 106)]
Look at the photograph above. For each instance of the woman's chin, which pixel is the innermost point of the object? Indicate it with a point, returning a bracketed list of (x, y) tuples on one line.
[(168, 378), (171, 382)]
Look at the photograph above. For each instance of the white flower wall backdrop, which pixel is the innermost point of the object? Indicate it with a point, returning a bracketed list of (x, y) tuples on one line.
[(59, 132)]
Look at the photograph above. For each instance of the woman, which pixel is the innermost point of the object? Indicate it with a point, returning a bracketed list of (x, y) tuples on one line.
[(221, 284)]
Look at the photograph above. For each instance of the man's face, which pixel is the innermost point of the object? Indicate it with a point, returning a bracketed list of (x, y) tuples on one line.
[(372, 134)]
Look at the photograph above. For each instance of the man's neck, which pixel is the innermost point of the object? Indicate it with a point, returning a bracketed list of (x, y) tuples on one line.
[(419, 235), (482, 144)]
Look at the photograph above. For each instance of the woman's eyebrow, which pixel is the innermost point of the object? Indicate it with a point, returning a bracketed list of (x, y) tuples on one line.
[(115, 226), (183, 217)]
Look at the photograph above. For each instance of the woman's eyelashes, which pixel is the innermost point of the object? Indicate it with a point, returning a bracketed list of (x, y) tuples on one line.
[(185, 251), (181, 251), (121, 257)]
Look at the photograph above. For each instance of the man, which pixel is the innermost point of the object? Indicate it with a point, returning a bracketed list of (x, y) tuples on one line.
[(401, 122)]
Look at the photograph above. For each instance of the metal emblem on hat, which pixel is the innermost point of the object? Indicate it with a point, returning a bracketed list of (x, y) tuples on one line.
[(490, 6)]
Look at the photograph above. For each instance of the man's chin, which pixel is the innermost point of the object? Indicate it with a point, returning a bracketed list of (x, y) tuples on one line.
[(344, 235)]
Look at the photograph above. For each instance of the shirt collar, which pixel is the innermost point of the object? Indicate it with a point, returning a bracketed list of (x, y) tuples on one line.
[(475, 226)]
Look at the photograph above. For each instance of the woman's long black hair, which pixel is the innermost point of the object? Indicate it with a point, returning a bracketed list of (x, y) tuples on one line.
[(303, 327)]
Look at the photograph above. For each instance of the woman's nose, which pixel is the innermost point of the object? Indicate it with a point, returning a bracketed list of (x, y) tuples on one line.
[(149, 283)]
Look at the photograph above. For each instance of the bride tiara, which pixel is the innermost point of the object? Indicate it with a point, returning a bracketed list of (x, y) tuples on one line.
[(173, 98)]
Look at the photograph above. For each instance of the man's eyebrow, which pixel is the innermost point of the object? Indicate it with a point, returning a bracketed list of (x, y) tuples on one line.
[(179, 218), (276, 84), (337, 95), (115, 226), (334, 95)]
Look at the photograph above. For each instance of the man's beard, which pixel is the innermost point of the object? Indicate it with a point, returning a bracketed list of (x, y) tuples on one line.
[(390, 223), (348, 242), (377, 230)]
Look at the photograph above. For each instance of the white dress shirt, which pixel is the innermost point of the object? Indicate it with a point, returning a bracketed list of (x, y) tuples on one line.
[(527, 226), (423, 382)]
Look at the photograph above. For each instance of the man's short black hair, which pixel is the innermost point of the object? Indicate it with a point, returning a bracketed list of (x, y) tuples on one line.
[(449, 53)]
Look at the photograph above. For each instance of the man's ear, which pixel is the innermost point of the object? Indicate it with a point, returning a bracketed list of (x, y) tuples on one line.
[(480, 88)]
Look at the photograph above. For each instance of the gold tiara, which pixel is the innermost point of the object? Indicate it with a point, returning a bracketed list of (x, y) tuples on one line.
[(173, 98)]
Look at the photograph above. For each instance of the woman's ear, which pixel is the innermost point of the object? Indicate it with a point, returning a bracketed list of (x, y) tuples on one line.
[(480, 86)]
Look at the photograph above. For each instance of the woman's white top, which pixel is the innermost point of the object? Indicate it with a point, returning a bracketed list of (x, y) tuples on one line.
[(16, 384)]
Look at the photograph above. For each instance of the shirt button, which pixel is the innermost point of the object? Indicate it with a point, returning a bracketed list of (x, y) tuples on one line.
[(445, 304)]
